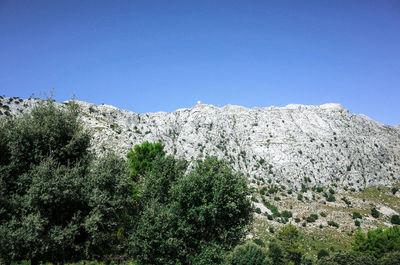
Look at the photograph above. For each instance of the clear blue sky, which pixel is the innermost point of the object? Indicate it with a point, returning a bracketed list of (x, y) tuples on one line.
[(148, 56)]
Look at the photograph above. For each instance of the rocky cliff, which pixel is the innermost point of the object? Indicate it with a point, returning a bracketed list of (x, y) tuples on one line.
[(292, 145)]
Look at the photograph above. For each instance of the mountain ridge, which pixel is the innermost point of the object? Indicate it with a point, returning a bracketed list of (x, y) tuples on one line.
[(324, 144)]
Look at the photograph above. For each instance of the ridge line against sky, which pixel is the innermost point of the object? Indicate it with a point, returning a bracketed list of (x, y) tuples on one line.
[(149, 56)]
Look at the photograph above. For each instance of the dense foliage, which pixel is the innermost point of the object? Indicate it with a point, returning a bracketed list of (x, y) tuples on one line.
[(141, 158), (55, 204), (248, 254), (60, 203), (190, 219), (348, 258), (377, 242)]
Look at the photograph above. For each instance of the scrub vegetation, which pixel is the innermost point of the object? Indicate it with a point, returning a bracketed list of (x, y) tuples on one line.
[(61, 204)]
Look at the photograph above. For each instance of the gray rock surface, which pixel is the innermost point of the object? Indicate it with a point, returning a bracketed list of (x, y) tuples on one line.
[(292, 145)]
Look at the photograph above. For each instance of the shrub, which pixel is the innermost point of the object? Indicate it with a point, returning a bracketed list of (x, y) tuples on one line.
[(357, 223), (395, 219), (348, 203), (348, 258), (272, 208), (288, 238), (57, 203), (275, 253), (333, 223), (377, 242), (140, 159), (258, 210), (394, 190), (312, 218), (331, 198), (375, 213), (322, 253), (205, 212), (357, 215), (287, 214), (392, 258), (247, 254)]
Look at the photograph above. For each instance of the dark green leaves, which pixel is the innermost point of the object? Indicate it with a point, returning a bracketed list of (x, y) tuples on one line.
[(193, 218), (140, 160)]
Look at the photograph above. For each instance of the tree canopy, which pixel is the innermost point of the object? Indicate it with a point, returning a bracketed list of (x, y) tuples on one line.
[(56, 203), (190, 219), (140, 159)]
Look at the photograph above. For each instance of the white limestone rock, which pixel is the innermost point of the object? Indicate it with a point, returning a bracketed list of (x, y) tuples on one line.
[(313, 145)]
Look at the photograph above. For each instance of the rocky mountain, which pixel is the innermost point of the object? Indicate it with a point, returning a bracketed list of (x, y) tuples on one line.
[(294, 145)]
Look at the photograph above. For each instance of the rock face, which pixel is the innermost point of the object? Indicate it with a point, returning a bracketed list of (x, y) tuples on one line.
[(292, 145)]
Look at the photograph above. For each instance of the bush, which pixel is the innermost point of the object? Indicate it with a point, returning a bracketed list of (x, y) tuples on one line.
[(392, 258), (375, 213), (57, 204), (202, 214), (395, 219), (312, 218), (272, 208), (357, 223), (247, 254), (141, 158), (288, 238), (322, 253), (348, 203), (331, 198), (394, 190), (334, 224), (377, 242), (275, 253), (357, 215), (348, 258), (287, 214)]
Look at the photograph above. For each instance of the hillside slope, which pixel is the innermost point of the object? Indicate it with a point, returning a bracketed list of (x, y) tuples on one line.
[(313, 145)]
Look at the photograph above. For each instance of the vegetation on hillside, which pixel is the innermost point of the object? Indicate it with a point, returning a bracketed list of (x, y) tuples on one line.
[(59, 203)]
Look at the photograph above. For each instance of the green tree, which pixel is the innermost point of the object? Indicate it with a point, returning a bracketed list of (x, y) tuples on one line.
[(140, 159), (160, 178), (395, 219), (56, 204), (348, 258), (288, 237), (392, 258), (275, 254), (211, 201), (248, 254), (322, 253), (193, 218), (375, 213), (377, 242)]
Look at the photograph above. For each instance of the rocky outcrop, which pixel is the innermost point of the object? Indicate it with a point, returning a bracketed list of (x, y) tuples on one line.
[(292, 145)]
